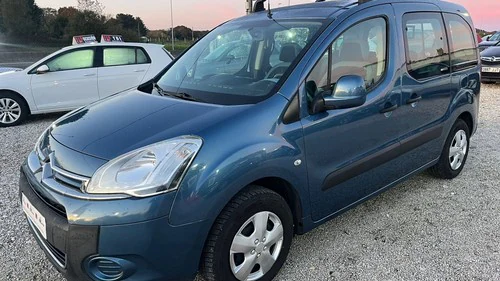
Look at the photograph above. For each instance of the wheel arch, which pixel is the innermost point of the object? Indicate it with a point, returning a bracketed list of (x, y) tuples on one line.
[(18, 95), (468, 119), (290, 194)]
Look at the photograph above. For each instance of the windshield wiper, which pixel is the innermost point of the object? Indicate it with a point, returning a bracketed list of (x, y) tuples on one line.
[(182, 96)]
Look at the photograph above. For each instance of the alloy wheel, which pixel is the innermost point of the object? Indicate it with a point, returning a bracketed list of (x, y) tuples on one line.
[(10, 111)]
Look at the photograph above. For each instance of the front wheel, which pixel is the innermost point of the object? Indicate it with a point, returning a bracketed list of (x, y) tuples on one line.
[(250, 239), (455, 152), (13, 110)]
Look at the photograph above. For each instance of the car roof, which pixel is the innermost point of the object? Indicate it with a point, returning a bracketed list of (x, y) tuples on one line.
[(332, 8), (117, 44)]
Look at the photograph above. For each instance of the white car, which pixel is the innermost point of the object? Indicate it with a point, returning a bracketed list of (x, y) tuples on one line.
[(76, 76)]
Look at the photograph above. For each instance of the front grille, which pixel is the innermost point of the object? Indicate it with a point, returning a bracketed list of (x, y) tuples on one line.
[(490, 75), (58, 208), (492, 63), (58, 256), (64, 177), (68, 181)]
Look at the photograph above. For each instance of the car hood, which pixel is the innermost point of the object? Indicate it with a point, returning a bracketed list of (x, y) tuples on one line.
[(9, 71), (117, 125), (491, 52), (487, 43)]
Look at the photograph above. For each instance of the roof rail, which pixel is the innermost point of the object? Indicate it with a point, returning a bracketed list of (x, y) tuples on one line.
[(359, 1)]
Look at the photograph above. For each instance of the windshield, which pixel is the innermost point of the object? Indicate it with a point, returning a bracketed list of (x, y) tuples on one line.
[(495, 37), (239, 62)]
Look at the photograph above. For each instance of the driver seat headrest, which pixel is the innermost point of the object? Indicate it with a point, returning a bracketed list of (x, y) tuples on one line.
[(289, 52)]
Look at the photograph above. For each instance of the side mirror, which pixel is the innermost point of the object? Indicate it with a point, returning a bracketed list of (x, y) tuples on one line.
[(350, 91), (488, 38), (42, 69)]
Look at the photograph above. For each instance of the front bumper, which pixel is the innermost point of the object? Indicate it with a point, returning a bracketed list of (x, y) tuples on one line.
[(151, 249), (490, 76)]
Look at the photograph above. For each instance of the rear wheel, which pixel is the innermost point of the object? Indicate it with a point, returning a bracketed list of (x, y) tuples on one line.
[(455, 152), (13, 110), (250, 239)]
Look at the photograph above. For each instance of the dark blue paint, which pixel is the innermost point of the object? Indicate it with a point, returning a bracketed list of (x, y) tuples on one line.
[(163, 236)]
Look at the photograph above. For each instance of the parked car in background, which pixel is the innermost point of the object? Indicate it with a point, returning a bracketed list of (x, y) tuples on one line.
[(490, 59), (75, 76), (489, 41), (216, 173), (9, 69)]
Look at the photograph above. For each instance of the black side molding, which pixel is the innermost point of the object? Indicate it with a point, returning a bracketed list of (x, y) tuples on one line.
[(387, 154)]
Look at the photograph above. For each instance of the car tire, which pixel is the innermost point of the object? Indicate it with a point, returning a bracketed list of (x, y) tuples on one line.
[(235, 250), (455, 152), (13, 109)]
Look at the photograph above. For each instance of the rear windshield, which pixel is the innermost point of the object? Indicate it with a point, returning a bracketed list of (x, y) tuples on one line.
[(240, 62)]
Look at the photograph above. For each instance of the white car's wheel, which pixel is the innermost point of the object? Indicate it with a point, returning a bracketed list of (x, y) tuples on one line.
[(13, 109)]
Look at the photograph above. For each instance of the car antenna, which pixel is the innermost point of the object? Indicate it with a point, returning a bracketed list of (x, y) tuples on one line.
[(269, 12), (259, 7)]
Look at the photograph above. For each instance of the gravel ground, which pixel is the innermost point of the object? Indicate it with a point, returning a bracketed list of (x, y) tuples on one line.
[(423, 229)]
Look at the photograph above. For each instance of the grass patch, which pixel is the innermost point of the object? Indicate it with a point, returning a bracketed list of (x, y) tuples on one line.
[(180, 46)]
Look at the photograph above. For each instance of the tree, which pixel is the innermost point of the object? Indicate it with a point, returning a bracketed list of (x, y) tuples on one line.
[(2, 28), (21, 17), (86, 22), (129, 22), (183, 33), (91, 5), (113, 26)]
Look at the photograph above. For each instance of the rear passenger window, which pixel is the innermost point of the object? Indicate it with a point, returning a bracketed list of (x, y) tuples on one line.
[(462, 45), (427, 53), (141, 57), (123, 56)]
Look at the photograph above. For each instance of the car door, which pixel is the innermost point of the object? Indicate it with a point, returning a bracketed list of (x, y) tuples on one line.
[(426, 84), (70, 83), (350, 152), (122, 68)]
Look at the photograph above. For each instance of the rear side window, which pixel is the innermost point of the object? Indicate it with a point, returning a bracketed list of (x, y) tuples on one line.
[(427, 53), (141, 57), (123, 56), (462, 45)]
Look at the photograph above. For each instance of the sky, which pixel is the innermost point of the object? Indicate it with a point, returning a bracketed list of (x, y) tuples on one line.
[(206, 14)]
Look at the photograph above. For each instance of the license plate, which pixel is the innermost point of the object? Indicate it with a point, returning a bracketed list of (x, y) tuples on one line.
[(491, 69), (34, 216)]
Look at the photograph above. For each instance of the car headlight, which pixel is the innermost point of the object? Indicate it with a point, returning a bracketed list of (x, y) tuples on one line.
[(146, 171)]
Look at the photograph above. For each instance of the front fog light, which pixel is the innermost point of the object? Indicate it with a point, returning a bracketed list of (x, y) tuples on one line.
[(109, 269), (146, 171)]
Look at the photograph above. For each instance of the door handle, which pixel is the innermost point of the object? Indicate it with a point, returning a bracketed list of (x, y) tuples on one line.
[(389, 108), (89, 75), (139, 70), (413, 99)]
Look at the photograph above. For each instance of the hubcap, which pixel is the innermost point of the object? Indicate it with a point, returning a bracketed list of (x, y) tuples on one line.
[(256, 246), (10, 111), (458, 150)]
